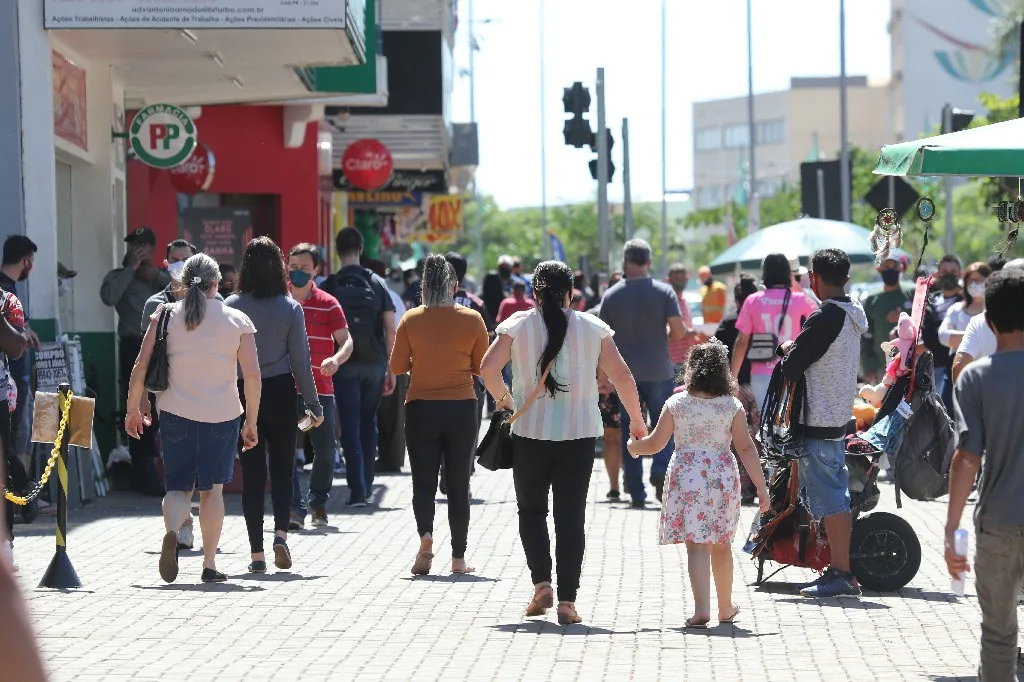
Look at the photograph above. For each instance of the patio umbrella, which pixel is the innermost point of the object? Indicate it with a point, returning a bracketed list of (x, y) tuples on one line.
[(988, 151), (798, 239)]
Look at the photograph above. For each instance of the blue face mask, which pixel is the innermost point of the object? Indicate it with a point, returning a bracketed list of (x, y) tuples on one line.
[(298, 278)]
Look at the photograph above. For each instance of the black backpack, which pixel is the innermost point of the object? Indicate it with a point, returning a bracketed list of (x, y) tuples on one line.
[(362, 309), (922, 464)]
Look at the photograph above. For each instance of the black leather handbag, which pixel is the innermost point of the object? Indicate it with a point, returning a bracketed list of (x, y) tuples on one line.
[(158, 372), (495, 450)]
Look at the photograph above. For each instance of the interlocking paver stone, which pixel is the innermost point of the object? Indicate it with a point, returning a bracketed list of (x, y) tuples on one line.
[(349, 610)]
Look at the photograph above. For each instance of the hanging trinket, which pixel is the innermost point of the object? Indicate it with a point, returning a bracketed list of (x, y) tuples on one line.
[(925, 209), (887, 235), (1010, 212)]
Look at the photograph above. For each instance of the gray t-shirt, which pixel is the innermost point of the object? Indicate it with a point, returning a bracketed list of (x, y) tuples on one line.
[(281, 341), (638, 310), (990, 423)]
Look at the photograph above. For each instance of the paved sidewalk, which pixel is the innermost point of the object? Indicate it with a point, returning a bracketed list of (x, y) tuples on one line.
[(350, 610)]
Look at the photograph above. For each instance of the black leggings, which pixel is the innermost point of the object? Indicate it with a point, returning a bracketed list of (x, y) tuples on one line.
[(564, 467), (436, 431), (17, 478), (277, 428)]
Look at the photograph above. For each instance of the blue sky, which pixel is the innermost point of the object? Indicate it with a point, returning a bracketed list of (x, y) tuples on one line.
[(706, 57)]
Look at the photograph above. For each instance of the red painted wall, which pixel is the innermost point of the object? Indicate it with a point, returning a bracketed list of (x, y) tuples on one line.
[(249, 158)]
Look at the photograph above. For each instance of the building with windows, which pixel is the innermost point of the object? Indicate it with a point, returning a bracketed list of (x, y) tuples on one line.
[(791, 126)]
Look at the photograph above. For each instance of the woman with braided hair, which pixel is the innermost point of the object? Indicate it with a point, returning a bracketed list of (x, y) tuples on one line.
[(441, 344), (555, 354)]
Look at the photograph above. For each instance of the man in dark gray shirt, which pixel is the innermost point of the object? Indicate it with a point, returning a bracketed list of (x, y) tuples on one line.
[(989, 407), (644, 314)]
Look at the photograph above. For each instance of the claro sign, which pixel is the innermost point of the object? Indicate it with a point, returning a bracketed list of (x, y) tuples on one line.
[(367, 164)]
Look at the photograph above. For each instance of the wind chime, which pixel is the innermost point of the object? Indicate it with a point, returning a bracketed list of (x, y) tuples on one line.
[(887, 235), (1010, 212)]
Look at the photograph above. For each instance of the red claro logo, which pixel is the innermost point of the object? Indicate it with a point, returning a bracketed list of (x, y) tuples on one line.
[(195, 174), (367, 164)]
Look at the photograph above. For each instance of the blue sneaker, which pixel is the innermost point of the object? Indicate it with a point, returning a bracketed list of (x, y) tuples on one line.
[(833, 583)]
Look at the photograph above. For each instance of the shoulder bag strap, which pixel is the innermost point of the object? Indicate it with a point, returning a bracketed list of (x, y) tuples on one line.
[(785, 309), (534, 395)]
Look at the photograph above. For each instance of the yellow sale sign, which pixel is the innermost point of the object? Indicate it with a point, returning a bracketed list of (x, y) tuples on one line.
[(445, 214)]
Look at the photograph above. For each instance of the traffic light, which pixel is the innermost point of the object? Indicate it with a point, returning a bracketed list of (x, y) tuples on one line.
[(593, 162), (577, 130), (954, 120)]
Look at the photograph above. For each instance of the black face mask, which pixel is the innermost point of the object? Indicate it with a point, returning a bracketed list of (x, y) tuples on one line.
[(948, 282), (891, 277)]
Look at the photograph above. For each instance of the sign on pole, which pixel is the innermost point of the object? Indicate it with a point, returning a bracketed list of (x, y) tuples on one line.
[(162, 135), (194, 14)]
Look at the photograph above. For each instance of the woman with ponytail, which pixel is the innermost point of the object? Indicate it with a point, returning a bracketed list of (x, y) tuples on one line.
[(441, 344), (556, 351), (199, 412)]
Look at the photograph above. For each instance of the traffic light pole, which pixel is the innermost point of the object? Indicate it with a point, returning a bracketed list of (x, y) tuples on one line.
[(627, 195), (603, 228), (947, 185)]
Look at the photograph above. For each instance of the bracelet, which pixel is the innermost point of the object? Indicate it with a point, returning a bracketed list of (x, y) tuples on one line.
[(508, 393)]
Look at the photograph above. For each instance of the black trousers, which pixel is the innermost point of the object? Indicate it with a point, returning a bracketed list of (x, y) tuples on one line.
[(17, 478), (277, 428), (391, 427), (436, 431), (564, 468), (143, 450)]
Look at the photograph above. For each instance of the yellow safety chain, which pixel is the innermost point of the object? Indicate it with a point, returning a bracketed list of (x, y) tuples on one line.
[(65, 412)]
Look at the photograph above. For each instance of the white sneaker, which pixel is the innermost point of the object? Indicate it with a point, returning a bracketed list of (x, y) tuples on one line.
[(185, 539)]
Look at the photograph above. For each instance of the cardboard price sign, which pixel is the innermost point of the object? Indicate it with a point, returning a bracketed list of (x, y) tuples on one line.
[(445, 214), (51, 367)]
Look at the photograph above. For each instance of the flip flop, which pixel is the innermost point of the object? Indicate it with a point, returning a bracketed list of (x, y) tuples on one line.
[(731, 619), (693, 624)]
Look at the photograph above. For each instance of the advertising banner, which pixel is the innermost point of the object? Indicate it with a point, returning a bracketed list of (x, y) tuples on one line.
[(194, 14), (221, 233)]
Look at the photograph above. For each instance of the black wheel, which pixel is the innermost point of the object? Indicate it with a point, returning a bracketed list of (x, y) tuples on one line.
[(885, 553)]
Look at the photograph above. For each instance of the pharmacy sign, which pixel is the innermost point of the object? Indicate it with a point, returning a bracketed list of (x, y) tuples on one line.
[(162, 135)]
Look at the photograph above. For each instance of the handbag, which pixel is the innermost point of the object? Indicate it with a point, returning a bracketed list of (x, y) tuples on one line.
[(158, 372), (495, 450), (763, 345)]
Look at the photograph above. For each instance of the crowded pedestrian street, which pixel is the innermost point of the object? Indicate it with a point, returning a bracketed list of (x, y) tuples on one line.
[(349, 609)]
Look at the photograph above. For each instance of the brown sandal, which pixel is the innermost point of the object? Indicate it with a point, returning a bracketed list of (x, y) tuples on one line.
[(543, 599), (567, 614), (422, 564)]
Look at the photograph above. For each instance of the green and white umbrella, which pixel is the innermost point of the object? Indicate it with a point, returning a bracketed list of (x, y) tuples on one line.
[(798, 240), (995, 150)]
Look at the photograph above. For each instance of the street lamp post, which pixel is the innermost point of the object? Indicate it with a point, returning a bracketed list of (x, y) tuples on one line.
[(664, 173), (543, 148), (478, 227), (844, 158), (751, 133)]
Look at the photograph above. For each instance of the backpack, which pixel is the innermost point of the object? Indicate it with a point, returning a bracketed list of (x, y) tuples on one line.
[(362, 309), (922, 465)]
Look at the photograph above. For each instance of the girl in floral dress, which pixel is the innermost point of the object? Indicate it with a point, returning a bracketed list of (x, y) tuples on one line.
[(702, 485)]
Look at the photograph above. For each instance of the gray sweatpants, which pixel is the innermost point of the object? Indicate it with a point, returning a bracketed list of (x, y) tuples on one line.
[(999, 571)]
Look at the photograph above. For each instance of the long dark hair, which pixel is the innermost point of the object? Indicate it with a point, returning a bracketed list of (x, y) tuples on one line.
[(552, 280), (262, 273)]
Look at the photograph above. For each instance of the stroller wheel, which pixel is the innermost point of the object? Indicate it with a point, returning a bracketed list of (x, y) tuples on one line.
[(885, 553)]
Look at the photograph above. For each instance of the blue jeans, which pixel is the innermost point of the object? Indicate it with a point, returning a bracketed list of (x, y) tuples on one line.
[(944, 387), (199, 454), (653, 394), (322, 476), (357, 390)]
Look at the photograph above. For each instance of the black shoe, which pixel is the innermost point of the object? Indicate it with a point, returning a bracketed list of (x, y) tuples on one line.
[(258, 567), (658, 481), (638, 504), (213, 576), (282, 556), (613, 495), (30, 512)]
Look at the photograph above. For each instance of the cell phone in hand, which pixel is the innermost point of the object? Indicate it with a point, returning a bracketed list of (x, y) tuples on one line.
[(306, 423)]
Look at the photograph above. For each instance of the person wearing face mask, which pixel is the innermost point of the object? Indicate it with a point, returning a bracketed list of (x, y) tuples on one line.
[(947, 292), (126, 289), (883, 308), (959, 315), (229, 280)]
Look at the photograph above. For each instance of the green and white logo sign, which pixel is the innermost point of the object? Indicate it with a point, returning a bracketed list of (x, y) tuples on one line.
[(162, 135)]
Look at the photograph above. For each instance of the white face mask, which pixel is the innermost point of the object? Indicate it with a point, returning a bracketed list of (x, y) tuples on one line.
[(176, 270), (976, 289), (63, 286)]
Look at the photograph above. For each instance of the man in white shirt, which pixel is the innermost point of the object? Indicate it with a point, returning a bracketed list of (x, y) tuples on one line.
[(979, 340)]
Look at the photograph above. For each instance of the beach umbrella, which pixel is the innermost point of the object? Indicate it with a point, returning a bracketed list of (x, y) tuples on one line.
[(798, 240), (995, 150)]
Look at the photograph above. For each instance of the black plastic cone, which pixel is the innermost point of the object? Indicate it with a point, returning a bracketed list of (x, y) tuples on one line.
[(60, 574)]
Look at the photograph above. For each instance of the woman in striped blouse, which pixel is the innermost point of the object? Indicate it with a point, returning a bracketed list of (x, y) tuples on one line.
[(555, 438)]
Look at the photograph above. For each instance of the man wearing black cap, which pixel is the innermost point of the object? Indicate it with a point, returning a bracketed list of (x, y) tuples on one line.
[(127, 289)]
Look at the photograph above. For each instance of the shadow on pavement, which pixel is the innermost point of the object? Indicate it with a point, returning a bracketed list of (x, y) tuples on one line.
[(728, 632), (325, 530), (853, 604), (543, 627), (915, 593), (777, 588), (450, 578), (952, 678), (201, 587), (280, 577)]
